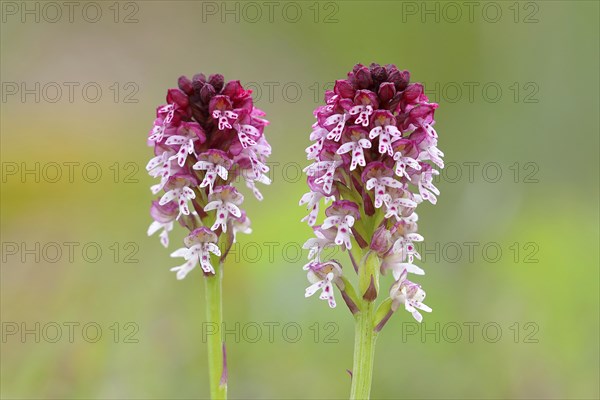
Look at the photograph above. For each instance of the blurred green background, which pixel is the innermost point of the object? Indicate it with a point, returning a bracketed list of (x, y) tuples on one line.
[(528, 318)]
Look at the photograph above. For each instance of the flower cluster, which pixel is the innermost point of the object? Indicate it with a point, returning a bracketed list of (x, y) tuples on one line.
[(373, 155), (207, 137)]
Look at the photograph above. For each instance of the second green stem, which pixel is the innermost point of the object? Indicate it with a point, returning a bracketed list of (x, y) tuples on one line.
[(364, 353), (216, 350)]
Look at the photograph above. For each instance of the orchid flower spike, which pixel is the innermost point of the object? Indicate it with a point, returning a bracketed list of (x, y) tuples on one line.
[(374, 153), (373, 156), (205, 138)]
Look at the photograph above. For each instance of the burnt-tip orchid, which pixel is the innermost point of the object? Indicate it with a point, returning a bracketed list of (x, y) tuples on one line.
[(374, 154), (207, 139)]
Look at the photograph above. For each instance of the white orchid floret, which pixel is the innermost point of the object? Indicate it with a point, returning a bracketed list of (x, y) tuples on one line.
[(323, 276), (216, 164), (339, 120), (251, 176), (342, 214), (247, 134), (318, 135), (241, 224), (410, 295), (385, 128), (364, 111), (157, 165), (187, 135), (402, 163), (324, 238), (324, 172), (257, 156), (434, 154), (225, 200), (404, 245), (225, 117), (379, 178), (160, 167), (399, 203), (200, 244), (312, 200), (396, 262), (179, 190), (163, 218), (424, 181), (357, 141), (164, 118)]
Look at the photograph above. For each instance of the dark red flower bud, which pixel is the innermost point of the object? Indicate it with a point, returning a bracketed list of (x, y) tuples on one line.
[(207, 92), (378, 73), (363, 78), (412, 92), (386, 92), (198, 82), (185, 85), (344, 89), (404, 81), (178, 97), (217, 81)]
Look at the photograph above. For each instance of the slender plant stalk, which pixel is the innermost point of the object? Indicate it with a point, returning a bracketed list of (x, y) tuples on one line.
[(364, 353), (365, 335), (214, 315)]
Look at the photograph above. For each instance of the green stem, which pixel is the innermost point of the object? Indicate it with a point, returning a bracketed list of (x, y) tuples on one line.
[(364, 353), (214, 315), (365, 335)]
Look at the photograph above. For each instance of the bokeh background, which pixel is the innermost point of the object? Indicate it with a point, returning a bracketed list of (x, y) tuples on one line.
[(522, 323)]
